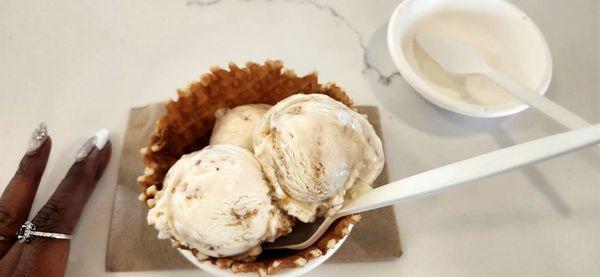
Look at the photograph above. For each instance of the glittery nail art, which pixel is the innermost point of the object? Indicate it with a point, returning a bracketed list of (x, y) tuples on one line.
[(86, 149), (38, 137), (98, 141)]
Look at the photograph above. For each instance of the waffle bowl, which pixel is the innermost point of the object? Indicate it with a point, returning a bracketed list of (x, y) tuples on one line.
[(186, 127)]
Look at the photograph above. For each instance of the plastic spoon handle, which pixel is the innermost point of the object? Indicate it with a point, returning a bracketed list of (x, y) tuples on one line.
[(541, 103), (459, 173)]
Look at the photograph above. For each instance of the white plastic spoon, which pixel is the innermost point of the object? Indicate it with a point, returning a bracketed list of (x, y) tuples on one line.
[(444, 178), (460, 57)]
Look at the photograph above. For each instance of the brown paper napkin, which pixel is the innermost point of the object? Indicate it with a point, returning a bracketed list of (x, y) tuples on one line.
[(133, 246)]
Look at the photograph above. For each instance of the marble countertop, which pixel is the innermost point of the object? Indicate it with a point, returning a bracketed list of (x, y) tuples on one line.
[(81, 65)]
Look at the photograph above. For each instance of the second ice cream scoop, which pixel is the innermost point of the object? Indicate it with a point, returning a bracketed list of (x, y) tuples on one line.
[(316, 152)]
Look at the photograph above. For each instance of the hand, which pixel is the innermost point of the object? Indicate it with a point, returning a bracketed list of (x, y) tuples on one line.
[(47, 256)]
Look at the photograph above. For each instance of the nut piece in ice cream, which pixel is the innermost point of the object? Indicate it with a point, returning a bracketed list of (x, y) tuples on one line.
[(316, 152), (236, 126), (217, 201)]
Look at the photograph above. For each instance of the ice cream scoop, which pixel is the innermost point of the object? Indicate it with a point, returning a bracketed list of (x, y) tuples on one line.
[(217, 201), (236, 126), (316, 152)]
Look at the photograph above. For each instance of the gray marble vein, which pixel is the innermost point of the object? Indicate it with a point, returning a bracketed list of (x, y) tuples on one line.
[(367, 64)]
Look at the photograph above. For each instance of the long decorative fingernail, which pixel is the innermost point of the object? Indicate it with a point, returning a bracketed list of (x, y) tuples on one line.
[(97, 141), (38, 137)]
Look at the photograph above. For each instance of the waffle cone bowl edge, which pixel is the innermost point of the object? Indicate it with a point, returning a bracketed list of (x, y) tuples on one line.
[(186, 127)]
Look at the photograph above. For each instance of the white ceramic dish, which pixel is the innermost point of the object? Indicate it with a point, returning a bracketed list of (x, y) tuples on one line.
[(509, 39), (310, 265)]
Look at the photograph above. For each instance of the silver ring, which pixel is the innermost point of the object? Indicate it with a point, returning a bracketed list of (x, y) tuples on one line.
[(28, 231)]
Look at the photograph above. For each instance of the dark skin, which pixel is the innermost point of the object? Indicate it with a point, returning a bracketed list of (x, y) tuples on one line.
[(45, 256)]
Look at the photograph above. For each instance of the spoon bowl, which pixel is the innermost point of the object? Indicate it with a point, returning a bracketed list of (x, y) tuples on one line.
[(459, 57)]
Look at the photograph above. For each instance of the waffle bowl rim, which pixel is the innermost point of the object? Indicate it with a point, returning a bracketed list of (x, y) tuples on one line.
[(288, 272)]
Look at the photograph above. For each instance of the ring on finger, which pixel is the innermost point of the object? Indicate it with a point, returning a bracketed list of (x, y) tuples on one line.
[(28, 231)]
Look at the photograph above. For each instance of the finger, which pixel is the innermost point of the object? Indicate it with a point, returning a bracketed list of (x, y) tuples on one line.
[(40, 258), (9, 262), (16, 200), (62, 211), (48, 257)]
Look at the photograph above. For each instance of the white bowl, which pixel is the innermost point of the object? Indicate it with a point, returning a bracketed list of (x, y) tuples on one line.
[(291, 272), (508, 38)]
